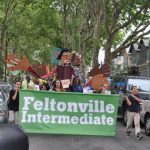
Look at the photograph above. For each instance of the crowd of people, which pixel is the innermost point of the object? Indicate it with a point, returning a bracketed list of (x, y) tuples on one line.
[(31, 83), (133, 100), (76, 85)]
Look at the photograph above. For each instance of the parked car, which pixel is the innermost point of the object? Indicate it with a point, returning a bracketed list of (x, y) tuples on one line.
[(4, 96), (143, 84), (145, 116)]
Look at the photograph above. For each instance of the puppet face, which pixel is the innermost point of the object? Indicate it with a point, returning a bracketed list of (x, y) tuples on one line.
[(66, 58)]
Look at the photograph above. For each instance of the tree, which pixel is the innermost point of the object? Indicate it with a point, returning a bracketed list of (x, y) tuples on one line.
[(33, 27), (126, 16), (6, 10)]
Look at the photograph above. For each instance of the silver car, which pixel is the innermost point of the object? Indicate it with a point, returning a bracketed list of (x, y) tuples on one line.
[(4, 96), (145, 116)]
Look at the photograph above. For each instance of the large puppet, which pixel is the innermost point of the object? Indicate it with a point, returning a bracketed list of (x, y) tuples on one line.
[(64, 71)]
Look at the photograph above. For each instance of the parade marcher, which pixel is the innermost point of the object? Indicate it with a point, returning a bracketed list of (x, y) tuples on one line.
[(57, 86), (76, 85), (13, 104), (133, 113), (43, 87), (27, 83)]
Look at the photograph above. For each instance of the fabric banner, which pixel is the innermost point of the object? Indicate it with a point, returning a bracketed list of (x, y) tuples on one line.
[(68, 113)]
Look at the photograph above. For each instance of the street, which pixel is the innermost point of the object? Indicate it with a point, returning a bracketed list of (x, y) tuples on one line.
[(67, 142)]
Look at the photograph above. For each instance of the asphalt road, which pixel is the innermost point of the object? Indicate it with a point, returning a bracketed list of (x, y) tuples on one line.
[(67, 142)]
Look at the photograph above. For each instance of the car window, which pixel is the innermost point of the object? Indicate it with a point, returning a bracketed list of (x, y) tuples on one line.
[(142, 84), (5, 89), (2, 100)]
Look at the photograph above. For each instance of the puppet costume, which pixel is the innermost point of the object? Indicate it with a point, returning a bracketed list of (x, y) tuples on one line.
[(65, 71)]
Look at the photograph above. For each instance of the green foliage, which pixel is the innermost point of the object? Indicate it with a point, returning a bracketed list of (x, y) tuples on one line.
[(35, 26)]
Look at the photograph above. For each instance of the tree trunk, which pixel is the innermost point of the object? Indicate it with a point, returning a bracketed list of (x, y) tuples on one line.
[(64, 24), (95, 56), (97, 29), (6, 51), (81, 49), (83, 63), (96, 42), (74, 31), (82, 45), (108, 57), (1, 40), (2, 52)]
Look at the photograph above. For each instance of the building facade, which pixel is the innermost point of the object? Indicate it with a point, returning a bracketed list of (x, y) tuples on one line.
[(139, 54)]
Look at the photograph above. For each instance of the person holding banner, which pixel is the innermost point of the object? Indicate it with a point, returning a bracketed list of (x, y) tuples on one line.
[(76, 85), (13, 104)]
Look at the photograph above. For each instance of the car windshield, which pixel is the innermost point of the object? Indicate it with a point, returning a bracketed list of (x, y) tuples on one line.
[(142, 84)]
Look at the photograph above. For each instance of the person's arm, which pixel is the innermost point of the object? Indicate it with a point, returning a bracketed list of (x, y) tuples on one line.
[(137, 99), (128, 101), (15, 95)]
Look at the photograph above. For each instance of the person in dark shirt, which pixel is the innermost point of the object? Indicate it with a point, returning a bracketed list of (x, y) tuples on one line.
[(133, 113), (76, 85), (13, 104)]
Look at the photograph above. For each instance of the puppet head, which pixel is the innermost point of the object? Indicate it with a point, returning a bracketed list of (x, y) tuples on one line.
[(76, 59), (65, 56)]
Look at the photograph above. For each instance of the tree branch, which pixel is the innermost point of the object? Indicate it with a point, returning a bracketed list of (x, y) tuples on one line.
[(132, 18), (86, 38), (129, 43), (10, 6), (134, 34)]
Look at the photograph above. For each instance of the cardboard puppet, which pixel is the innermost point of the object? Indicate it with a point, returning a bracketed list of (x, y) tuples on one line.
[(99, 81), (64, 71), (23, 64), (75, 62)]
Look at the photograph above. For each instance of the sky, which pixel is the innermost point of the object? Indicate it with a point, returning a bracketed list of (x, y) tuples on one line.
[(101, 56)]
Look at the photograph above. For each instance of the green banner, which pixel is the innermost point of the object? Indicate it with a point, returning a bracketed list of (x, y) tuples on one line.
[(68, 113)]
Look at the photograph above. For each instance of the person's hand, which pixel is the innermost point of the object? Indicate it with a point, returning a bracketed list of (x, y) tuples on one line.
[(16, 89), (128, 101), (133, 96)]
